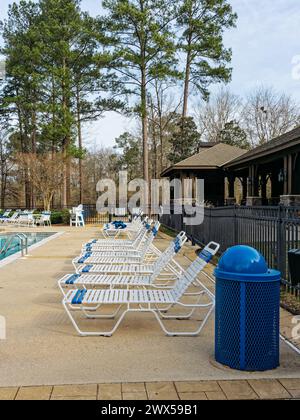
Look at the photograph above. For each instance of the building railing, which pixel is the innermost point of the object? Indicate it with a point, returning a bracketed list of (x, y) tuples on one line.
[(272, 230)]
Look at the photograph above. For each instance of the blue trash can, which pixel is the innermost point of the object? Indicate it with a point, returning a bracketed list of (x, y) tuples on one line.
[(247, 311)]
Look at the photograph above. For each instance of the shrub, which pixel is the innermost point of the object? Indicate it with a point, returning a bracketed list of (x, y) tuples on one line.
[(66, 216), (59, 217), (56, 218)]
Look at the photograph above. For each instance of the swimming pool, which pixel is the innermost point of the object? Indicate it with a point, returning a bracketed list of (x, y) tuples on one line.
[(15, 246)]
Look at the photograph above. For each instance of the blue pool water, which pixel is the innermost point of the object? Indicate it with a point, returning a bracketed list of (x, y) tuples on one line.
[(33, 238)]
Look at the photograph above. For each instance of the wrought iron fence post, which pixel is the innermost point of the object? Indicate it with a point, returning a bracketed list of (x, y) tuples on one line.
[(281, 241), (235, 224), (212, 219)]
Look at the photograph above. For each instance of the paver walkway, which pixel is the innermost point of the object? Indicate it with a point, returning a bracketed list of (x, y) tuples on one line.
[(270, 389)]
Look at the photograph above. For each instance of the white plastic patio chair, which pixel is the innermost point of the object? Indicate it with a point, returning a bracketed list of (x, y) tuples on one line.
[(26, 219), (157, 302), (44, 219)]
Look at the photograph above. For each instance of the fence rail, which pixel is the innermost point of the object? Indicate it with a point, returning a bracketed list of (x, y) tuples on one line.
[(92, 216), (272, 230)]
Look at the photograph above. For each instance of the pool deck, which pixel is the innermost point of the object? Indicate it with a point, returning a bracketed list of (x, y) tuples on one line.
[(43, 351)]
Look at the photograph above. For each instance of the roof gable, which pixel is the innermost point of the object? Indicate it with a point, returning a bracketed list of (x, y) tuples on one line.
[(216, 156), (212, 158)]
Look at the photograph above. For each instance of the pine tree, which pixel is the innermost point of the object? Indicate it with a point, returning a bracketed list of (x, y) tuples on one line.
[(144, 50), (185, 140), (234, 135), (202, 23), (21, 97)]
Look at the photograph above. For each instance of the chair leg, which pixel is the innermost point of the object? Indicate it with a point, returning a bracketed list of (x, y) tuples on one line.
[(93, 334), (178, 317), (182, 333), (108, 316)]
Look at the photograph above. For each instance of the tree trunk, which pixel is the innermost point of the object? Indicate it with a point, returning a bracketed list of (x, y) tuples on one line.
[(23, 150), (33, 150), (64, 188), (187, 82), (161, 134), (144, 115), (154, 142), (79, 129), (67, 139)]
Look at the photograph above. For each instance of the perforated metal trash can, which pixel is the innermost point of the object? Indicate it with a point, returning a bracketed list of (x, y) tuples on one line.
[(247, 311)]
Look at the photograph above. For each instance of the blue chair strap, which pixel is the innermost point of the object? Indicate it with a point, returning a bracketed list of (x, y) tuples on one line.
[(79, 296), (87, 269), (72, 279), (206, 256), (154, 231)]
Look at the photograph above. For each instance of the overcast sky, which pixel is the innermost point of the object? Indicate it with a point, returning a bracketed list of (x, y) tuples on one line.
[(265, 43)]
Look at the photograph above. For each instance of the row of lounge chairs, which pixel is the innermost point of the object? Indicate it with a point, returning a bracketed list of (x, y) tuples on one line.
[(25, 218), (132, 275)]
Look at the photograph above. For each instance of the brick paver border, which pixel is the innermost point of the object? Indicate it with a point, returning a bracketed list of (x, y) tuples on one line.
[(265, 389)]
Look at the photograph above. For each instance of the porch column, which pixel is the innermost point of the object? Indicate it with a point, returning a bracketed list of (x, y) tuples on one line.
[(288, 199), (245, 187), (290, 174), (275, 186), (285, 171), (264, 188), (231, 193), (255, 182), (250, 182), (253, 198)]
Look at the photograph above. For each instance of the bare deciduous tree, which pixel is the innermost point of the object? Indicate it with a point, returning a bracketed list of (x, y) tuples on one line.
[(46, 173), (164, 111), (6, 167), (212, 117), (99, 163), (268, 114)]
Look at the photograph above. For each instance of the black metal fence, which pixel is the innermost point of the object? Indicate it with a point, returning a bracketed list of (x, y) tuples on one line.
[(91, 215), (272, 230)]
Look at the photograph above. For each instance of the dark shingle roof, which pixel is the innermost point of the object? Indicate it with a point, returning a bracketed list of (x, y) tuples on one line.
[(212, 158), (276, 145)]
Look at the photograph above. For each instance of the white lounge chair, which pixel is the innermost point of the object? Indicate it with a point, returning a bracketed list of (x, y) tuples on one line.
[(113, 265), (110, 230), (5, 216), (157, 302), (133, 247), (130, 238), (119, 257), (13, 219), (163, 272), (139, 236)]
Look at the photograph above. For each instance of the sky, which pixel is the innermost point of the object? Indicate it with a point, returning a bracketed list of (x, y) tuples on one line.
[(266, 51)]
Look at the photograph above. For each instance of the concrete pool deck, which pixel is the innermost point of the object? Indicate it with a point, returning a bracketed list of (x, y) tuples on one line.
[(42, 348)]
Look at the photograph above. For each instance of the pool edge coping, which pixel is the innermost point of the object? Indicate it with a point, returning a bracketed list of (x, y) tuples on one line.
[(17, 255)]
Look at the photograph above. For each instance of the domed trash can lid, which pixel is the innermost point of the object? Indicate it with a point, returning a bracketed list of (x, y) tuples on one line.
[(243, 263)]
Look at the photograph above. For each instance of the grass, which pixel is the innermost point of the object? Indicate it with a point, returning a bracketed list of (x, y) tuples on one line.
[(168, 231), (290, 302)]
